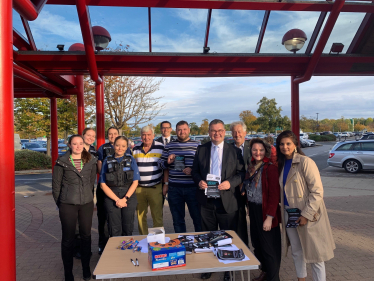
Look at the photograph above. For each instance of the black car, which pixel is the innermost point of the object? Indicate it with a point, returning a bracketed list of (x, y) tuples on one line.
[(367, 136)]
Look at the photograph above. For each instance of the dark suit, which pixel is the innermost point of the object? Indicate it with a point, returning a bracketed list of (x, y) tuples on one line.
[(223, 211), (161, 141), (242, 228)]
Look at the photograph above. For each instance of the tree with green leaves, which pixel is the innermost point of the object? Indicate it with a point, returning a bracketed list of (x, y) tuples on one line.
[(194, 129), (269, 115)]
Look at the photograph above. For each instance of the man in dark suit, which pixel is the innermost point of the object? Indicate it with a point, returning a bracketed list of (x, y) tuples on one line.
[(165, 128), (219, 159), (239, 130)]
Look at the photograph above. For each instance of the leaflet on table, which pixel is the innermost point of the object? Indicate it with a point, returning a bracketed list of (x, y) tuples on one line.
[(213, 181), (179, 163), (232, 248)]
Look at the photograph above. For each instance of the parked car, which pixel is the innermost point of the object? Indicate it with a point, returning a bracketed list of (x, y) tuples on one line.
[(326, 133), (199, 138), (310, 142), (352, 155), (367, 137), (24, 140), (304, 136), (62, 148), (303, 143), (344, 135), (34, 146)]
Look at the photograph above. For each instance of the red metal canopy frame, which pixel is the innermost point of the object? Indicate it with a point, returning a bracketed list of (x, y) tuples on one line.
[(60, 74)]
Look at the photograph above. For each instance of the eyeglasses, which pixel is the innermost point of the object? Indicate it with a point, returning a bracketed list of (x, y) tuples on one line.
[(164, 128), (215, 132)]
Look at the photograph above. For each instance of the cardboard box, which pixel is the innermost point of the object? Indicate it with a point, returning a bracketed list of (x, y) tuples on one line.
[(166, 257), (156, 234)]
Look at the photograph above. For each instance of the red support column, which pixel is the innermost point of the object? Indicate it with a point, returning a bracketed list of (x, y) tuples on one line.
[(295, 110), (54, 130), (100, 114), (7, 203), (80, 101)]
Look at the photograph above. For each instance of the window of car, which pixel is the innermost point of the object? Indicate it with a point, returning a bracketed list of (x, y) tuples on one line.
[(349, 146), (367, 146)]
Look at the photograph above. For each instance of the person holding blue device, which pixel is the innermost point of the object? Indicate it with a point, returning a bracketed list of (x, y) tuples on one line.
[(119, 179)]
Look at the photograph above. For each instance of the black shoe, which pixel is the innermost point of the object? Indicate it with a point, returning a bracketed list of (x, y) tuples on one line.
[(206, 275), (227, 277), (87, 278)]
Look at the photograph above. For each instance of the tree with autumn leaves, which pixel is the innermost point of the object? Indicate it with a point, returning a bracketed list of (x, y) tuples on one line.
[(129, 100)]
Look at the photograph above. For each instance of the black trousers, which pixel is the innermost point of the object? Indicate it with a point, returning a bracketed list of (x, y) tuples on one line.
[(242, 229), (121, 220), (214, 216), (101, 217), (69, 214), (267, 244)]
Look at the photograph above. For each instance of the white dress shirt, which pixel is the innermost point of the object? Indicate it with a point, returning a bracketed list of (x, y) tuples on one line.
[(164, 140), (241, 148), (220, 153)]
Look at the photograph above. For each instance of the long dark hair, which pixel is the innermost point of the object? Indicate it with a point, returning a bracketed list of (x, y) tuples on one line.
[(281, 158), (85, 156)]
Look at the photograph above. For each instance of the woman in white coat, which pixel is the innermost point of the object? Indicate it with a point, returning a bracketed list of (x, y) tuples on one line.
[(301, 187)]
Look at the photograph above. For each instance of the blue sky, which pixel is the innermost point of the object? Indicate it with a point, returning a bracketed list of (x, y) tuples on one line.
[(182, 30)]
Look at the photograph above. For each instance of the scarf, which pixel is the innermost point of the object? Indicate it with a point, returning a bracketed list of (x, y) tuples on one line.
[(253, 167)]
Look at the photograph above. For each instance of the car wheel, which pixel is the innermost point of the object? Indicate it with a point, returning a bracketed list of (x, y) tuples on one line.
[(352, 166)]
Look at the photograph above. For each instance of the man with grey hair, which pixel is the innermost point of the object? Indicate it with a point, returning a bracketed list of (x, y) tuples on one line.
[(239, 131), (149, 190)]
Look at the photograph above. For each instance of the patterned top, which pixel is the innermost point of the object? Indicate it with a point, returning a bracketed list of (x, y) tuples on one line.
[(150, 172), (256, 193), (187, 151), (77, 164)]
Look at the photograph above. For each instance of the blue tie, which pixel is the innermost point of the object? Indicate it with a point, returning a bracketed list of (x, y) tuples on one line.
[(215, 161)]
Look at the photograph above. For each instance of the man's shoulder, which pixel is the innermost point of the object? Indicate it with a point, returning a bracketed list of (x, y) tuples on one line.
[(158, 144), (159, 139)]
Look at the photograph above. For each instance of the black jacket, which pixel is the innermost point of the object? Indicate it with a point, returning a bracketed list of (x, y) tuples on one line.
[(161, 141), (246, 153), (70, 186), (232, 171)]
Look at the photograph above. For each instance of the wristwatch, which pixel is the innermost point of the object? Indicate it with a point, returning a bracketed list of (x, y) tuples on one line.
[(167, 183), (127, 198)]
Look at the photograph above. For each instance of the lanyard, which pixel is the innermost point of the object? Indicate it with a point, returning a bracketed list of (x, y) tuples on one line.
[(72, 161)]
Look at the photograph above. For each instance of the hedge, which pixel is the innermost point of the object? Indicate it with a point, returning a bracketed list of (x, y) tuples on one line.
[(330, 137), (31, 160)]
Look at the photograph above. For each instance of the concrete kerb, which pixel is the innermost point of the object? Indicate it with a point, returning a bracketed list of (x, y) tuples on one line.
[(27, 172)]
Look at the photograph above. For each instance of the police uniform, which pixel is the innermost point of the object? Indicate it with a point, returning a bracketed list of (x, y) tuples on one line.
[(118, 174)]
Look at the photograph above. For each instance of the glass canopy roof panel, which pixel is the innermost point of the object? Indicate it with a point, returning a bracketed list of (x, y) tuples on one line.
[(56, 25), (126, 26), (344, 30), (234, 31), (282, 21), (178, 30)]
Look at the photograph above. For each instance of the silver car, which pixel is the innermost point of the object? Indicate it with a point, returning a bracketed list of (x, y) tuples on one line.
[(352, 155)]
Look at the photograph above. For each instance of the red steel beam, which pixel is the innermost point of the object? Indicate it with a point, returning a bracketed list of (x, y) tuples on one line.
[(209, 16), (28, 33), (150, 30), (338, 4), (7, 200), (295, 107), (284, 5), (316, 31), (357, 40), (36, 80), (80, 102), (100, 113), (20, 42), (54, 130), (27, 9), (85, 23), (262, 31)]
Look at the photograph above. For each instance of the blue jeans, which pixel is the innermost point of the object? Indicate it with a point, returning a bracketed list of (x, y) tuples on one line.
[(178, 197)]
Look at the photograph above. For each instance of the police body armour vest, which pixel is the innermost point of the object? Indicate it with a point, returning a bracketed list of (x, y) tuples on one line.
[(108, 150), (116, 176)]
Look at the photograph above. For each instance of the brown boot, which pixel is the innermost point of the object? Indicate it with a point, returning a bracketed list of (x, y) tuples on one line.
[(261, 277)]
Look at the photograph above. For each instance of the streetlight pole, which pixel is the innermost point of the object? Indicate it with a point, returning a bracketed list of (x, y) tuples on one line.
[(317, 121)]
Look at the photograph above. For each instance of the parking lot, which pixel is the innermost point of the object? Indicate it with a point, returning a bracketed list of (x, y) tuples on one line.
[(348, 199)]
